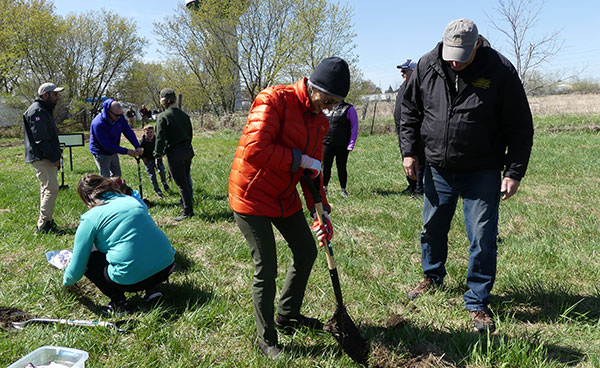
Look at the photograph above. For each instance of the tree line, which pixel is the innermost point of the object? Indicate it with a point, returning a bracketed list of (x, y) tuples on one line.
[(215, 54)]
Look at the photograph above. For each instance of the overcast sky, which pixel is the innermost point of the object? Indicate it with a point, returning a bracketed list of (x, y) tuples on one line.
[(390, 31)]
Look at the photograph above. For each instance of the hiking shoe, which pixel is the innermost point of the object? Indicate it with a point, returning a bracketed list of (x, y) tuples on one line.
[(344, 193), (183, 216), (417, 193), (482, 321), (152, 295), (427, 284), (49, 227), (288, 325), (270, 351), (408, 191), (117, 307)]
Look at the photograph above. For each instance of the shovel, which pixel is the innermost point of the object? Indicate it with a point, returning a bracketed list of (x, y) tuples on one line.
[(147, 201), (139, 177), (70, 322), (340, 325)]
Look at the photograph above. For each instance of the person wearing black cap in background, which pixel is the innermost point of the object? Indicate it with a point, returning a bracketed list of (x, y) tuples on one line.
[(466, 102), (174, 138), (415, 186), (282, 138)]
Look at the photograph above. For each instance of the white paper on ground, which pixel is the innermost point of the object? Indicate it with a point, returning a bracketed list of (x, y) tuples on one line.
[(59, 258)]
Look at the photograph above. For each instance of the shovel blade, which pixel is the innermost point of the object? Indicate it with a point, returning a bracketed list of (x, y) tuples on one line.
[(346, 333)]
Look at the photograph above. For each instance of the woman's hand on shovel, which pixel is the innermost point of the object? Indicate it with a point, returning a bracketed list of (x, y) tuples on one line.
[(324, 232)]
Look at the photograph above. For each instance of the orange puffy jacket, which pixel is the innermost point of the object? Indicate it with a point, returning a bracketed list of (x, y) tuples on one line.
[(265, 171)]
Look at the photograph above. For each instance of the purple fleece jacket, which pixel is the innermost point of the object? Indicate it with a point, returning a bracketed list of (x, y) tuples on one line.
[(105, 135)]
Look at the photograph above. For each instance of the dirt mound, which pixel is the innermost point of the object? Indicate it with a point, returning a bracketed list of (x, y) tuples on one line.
[(9, 315)]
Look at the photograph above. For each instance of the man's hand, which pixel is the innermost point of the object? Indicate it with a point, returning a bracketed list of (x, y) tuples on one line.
[(411, 165), (132, 153), (509, 187)]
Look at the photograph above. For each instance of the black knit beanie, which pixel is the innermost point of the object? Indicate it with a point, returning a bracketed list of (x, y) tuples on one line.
[(332, 76)]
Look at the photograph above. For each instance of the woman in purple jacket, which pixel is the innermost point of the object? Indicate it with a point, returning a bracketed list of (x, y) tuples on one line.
[(105, 138), (339, 141)]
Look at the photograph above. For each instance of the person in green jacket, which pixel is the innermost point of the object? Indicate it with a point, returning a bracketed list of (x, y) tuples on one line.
[(174, 138), (118, 247)]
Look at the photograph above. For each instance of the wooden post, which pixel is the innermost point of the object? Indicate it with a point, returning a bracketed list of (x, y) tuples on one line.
[(373, 122)]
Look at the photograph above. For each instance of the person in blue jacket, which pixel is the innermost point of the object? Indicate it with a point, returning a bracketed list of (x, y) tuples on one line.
[(118, 247), (105, 138)]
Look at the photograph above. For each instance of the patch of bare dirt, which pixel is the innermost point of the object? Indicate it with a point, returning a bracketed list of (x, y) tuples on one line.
[(9, 315)]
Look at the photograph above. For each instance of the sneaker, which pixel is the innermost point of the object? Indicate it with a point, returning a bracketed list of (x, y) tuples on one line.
[(482, 321), (344, 193), (289, 325), (152, 295), (49, 227), (417, 192), (427, 284), (270, 351), (118, 307), (183, 216)]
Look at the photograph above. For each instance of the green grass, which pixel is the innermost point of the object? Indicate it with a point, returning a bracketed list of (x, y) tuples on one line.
[(546, 299)]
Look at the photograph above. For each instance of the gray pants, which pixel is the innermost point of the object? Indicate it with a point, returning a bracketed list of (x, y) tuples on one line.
[(258, 231), (108, 165)]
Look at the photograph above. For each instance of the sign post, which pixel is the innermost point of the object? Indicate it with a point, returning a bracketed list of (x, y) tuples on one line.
[(71, 140)]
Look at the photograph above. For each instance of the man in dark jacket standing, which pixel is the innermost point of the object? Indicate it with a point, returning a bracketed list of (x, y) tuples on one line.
[(174, 138), (42, 150), (415, 187), (468, 104)]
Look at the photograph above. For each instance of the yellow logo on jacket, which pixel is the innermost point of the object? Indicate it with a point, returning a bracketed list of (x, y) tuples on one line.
[(482, 83)]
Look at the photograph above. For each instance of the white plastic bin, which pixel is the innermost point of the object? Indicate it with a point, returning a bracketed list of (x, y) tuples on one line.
[(44, 355)]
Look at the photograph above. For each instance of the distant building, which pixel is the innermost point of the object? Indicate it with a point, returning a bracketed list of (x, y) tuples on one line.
[(379, 97)]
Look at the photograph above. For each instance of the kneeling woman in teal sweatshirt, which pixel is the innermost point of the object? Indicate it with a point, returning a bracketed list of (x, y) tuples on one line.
[(118, 247)]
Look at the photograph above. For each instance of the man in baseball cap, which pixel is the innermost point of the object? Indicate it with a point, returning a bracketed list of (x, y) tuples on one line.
[(415, 187), (466, 104), (42, 150)]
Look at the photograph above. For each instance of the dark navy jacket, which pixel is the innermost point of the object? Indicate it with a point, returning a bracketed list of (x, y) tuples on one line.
[(486, 124), (41, 134)]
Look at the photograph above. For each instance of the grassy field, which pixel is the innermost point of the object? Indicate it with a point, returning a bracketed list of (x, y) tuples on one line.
[(546, 300)]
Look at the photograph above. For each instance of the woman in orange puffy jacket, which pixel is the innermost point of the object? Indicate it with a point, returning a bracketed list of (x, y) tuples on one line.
[(281, 140)]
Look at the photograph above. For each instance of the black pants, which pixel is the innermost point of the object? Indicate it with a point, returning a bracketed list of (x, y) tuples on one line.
[(258, 231), (97, 273), (180, 162), (340, 153)]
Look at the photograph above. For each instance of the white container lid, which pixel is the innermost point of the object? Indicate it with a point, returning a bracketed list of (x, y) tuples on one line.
[(68, 357)]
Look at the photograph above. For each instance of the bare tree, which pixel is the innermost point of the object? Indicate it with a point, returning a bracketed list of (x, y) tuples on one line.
[(516, 19)]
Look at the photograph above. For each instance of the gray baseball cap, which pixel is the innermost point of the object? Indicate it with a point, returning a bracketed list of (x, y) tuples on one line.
[(460, 39), (49, 87)]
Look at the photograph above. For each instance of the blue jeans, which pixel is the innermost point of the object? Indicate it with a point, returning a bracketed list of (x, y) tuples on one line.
[(480, 192), (151, 167)]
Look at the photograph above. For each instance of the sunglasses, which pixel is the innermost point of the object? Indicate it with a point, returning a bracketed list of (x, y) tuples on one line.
[(330, 101)]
